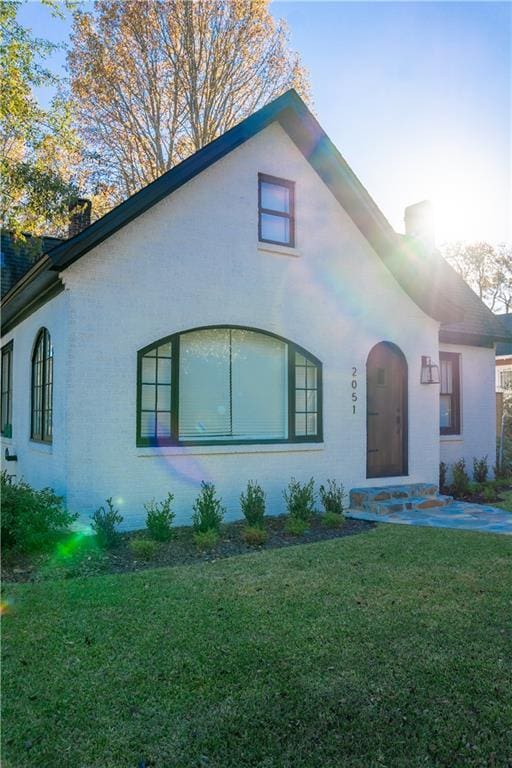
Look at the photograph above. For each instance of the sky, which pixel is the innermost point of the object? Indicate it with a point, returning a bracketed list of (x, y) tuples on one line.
[(417, 96)]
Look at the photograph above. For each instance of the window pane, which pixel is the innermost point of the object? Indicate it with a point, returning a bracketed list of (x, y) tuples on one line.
[(164, 370), (275, 228), (148, 397), (275, 197), (165, 350), (259, 386), (446, 376), (300, 400), (204, 407), (311, 377), (311, 423), (445, 411), (300, 424), (311, 400), (164, 397), (300, 376), (148, 369), (163, 425), (147, 424)]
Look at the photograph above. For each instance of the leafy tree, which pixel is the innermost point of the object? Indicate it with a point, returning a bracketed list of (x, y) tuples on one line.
[(36, 144), (486, 268), (157, 81)]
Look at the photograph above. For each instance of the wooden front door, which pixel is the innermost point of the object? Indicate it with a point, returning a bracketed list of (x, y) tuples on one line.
[(386, 411)]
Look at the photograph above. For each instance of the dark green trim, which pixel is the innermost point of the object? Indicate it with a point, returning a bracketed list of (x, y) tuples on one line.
[(174, 339), (42, 298)]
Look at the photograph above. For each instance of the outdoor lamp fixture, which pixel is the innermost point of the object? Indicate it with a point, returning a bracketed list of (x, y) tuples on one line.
[(429, 371)]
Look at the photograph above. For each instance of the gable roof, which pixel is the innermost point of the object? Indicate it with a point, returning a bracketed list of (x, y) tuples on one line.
[(505, 348), (411, 270), (17, 256)]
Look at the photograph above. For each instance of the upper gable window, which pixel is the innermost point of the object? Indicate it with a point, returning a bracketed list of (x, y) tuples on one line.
[(276, 210)]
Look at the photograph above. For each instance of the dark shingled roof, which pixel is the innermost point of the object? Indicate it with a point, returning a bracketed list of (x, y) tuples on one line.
[(18, 255), (506, 347), (430, 282)]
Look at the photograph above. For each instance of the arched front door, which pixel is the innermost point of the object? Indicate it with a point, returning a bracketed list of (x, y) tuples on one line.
[(386, 411)]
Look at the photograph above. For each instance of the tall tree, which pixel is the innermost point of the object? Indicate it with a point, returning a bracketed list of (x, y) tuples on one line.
[(158, 80), (35, 143), (486, 268)]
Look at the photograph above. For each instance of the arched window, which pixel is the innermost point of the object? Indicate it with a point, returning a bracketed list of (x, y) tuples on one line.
[(227, 385), (42, 388)]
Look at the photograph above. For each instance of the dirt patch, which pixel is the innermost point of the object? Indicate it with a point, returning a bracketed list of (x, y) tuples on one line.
[(87, 560)]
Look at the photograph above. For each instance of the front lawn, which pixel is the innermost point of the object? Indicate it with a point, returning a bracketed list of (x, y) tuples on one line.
[(391, 648)]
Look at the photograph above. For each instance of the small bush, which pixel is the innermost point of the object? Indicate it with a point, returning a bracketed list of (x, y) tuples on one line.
[(104, 522), (443, 470), (208, 510), (144, 549), (31, 520), (300, 499), (332, 497), (489, 493), (254, 535), (332, 520), (296, 526), (206, 539), (460, 478), (159, 518), (252, 503), (480, 470)]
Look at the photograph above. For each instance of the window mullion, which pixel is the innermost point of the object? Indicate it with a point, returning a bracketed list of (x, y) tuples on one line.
[(175, 388), (291, 392)]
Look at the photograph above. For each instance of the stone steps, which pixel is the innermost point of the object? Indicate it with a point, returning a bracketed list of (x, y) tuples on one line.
[(385, 500)]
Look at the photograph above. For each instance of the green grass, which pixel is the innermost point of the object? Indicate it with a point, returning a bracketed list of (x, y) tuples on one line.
[(507, 501), (390, 648)]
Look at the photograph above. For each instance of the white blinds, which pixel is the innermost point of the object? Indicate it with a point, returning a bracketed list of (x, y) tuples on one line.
[(259, 386), (233, 384), (205, 410)]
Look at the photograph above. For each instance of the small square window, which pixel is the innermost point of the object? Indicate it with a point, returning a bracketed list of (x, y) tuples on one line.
[(276, 206)]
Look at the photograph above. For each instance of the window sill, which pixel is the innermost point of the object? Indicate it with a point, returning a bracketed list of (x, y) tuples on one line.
[(283, 250), (452, 438), (191, 450)]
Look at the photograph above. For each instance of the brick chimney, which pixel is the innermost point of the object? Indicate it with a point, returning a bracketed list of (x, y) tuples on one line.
[(79, 216), (419, 223)]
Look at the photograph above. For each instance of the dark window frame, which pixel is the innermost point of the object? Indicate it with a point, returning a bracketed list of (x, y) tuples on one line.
[(43, 435), (6, 423), (278, 182), (174, 339), (454, 358)]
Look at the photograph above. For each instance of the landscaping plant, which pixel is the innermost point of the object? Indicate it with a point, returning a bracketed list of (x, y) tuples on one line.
[(31, 520), (254, 535), (208, 510), (159, 518), (206, 539), (332, 497), (460, 479), (144, 549), (489, 493), (252, 503), (104, 523), (296, 526), (480, 470), (300, 499), (332, 520), (443, 470)]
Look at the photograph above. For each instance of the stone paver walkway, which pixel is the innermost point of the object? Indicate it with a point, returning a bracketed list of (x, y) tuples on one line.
[(458, 514)]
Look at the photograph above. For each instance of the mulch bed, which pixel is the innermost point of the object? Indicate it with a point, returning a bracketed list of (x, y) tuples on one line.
[(181, 550), (479, 498)]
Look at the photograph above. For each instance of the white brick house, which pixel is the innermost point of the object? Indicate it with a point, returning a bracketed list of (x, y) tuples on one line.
[(185, 346)]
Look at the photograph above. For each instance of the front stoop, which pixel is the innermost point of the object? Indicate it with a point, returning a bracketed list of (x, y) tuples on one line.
[(383, 500)]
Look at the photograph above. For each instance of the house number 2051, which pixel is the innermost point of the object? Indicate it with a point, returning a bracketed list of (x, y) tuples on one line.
[(354, 389)]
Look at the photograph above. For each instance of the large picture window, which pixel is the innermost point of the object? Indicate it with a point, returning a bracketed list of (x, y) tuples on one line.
[(227, 384), (42, 388), (6, 387), (449, 410)]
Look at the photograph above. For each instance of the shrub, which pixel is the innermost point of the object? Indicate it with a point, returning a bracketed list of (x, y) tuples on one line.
[(31, 519), (206, 539), (104, 522), (144, 549), (332, 520), (480, 470), (252, 503), (332, 497), (300, 499), (254, 535), (208, 511), (460, 478), (296, 526), (159, 518), (489, 493), (443, 470)]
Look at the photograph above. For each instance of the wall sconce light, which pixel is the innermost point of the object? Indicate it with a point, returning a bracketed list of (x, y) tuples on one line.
[(429, 371)]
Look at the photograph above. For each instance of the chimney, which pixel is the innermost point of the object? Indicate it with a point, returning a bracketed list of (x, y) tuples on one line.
[(79, 216), (419, 223)]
